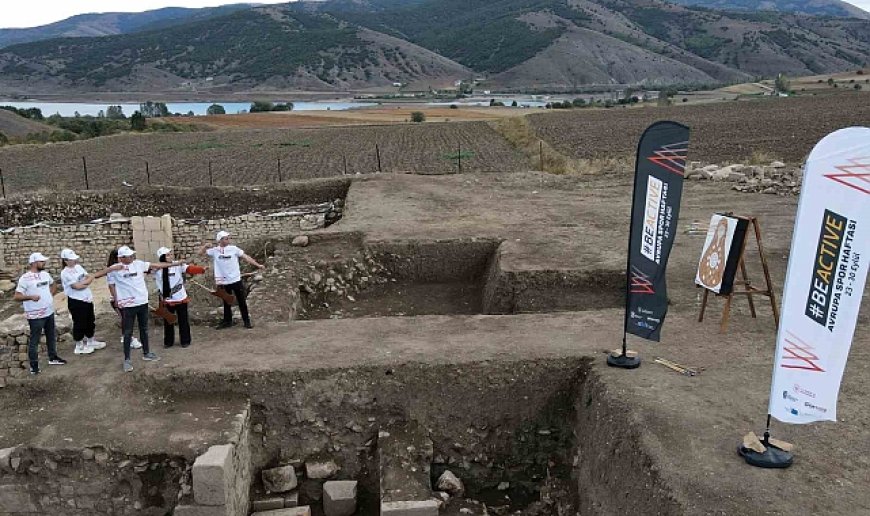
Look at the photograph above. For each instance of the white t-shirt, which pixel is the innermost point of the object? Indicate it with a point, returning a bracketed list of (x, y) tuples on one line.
[(176, 282), (226, 264), (70, 276), (32, 283), (130, 287)]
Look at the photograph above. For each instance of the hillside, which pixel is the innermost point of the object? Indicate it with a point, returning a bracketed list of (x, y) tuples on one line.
[(813, 7), (12, 124), (517, 44)]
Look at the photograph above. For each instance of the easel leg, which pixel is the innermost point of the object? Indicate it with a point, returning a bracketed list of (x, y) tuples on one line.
[(703, 305), (726, 313), (748, 286), (767, 280)]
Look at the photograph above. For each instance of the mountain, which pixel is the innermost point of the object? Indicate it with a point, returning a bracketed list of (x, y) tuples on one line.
[(515, 44), (105, 24), (836, 8)]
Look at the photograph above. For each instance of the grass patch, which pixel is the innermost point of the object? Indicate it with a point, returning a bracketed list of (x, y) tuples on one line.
[(759, 157), (455, 156), (295, 143)]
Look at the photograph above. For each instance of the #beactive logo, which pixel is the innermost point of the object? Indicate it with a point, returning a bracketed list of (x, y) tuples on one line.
[(640, 282), (856, 175), (671, 157)]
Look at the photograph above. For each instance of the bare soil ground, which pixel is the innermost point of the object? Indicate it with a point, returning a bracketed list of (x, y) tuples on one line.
[(688, 427), (774, 128)]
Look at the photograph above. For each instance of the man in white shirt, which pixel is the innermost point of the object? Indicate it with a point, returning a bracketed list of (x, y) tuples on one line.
[(228, 275), (130, 293), (36, 289)]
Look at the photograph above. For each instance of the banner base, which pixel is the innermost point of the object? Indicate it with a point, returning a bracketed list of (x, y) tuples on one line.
[(629, 360), (773, 457)]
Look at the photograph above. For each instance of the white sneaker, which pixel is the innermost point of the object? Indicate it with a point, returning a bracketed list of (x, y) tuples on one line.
[(134, 344), (96, 344), (83, 349)]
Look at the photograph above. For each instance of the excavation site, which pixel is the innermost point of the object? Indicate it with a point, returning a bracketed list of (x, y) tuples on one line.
[(421, 345)]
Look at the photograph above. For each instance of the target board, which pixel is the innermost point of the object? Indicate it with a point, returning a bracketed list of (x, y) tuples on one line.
[(721, 254)]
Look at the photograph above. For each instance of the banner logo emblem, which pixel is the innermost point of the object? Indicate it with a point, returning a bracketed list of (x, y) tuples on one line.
[(852, 176), (671, 157)]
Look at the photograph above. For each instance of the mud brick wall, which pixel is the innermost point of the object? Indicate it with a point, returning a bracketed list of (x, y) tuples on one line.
[(87, 481)]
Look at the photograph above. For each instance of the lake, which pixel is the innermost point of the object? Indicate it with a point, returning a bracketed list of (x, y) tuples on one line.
[(198, 108)]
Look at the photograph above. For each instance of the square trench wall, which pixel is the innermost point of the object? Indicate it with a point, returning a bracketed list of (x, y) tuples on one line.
[(540, 437), (440, 277)]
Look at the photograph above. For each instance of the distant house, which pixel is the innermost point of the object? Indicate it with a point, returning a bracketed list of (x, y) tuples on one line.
[(397, 84)]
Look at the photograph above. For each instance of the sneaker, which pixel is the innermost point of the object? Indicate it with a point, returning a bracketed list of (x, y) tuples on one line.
[(34, 370), (249, 326), (185, 344), (56, 361), (150, 357), (223, 324), (83, 349), (128, 366), (95, 344), (134, 344)]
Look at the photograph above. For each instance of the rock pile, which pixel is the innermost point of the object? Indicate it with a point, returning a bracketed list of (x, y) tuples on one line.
[(775, 179), (331, 280)]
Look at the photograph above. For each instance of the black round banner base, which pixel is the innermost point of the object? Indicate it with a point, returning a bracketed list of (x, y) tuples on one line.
[(773, 457), (623, 361)]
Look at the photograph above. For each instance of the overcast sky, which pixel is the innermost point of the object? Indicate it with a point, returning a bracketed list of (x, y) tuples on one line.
[(32, 13)]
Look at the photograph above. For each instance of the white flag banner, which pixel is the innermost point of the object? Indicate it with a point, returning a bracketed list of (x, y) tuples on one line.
[(827, 269)]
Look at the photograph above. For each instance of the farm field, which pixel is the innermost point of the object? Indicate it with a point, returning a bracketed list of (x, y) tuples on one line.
[(775, 128), (251, 156), (381, 115)]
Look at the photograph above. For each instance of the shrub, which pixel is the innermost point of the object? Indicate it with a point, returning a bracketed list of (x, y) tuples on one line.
[(3, 138), (514, 104), (137, 121), (857, 86), (578, 102), (261, 106), (454, 106), (216, 109), (418, 116)]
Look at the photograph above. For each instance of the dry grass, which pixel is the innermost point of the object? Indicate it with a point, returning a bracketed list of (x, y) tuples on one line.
[(541, 155)]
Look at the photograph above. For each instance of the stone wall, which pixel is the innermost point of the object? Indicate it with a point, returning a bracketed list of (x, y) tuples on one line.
[(14, 337), (93, 242), (87, 481)]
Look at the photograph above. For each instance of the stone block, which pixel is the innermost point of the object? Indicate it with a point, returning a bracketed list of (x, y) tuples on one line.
[(15, 498), (212, 476), (291, 499), (279, 480), (267, 504), (5, 458), (321, 469), (339, 497), (294, 511), (412, 508)]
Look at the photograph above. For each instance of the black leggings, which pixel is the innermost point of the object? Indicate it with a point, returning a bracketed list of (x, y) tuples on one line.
[(183, 326), (83, 318), (237, 289), (130, 315)]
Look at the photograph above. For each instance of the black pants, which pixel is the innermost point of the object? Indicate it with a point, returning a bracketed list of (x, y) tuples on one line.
[(129, 315), (37, 327), (238, 290), (83, 319), (183, 326)]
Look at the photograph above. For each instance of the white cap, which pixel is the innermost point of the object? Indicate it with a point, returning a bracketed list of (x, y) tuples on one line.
[(221, 235), (69, 254), (37, 257), (125, 251), (162, 251)]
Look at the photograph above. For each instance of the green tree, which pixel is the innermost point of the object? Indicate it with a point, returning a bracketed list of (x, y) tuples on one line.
[(782, 83), (115, 113), (153, 109), (418, 116), (830, 81), (137, 121), (3, 139), (514, 104), (578, 102), (216, 109), (261, 106)]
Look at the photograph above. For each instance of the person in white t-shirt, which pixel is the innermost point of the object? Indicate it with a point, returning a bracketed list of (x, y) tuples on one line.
[(36, 289), (228, 275), (131, 296), (80, 300), (173, 295), (134, 342)]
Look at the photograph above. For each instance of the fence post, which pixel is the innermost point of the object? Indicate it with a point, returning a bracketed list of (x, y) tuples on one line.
[(2, 183), (459, 155), (85, 168), (280, 179), (147, 172), (210, 180), (541, 151), (344, 159), (378, 154)]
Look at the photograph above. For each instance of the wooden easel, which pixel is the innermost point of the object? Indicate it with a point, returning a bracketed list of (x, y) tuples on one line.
[(748, 288)]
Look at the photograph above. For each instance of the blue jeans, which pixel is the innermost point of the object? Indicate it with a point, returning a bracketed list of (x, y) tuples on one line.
[(129, 315), (37, 328)]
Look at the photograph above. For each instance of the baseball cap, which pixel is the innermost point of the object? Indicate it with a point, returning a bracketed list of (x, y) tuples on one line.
[(125, 251), (69, 254), (162, 251), (221, 234), (37, 257)]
